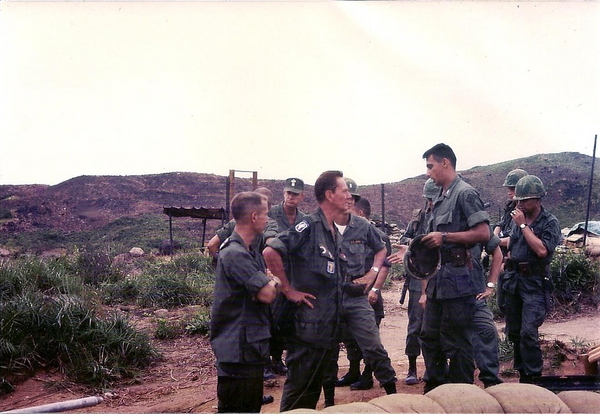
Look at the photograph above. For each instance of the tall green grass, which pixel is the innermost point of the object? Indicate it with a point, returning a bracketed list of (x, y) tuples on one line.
[(53, 312)]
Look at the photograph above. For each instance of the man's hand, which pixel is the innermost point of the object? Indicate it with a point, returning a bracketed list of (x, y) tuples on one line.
[(488, 292), (398, 257), (373, 296), (368, 280), (423, 300), (433, 239), (297, 297)]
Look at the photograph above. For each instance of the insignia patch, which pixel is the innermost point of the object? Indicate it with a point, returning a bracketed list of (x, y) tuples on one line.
[(325, 252), (300, 227), (331, 267)]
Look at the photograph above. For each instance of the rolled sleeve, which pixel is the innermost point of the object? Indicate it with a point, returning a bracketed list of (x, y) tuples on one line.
[(480, 216), (278, 245), (256, 282)]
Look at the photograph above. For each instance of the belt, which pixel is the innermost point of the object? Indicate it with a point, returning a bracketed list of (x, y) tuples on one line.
[(456, 257), (526, 268)]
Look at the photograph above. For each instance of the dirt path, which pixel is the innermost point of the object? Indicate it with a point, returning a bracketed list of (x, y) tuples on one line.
[(185, 381)]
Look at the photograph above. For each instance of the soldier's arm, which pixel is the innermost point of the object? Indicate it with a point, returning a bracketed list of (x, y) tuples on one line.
[(275, 265)]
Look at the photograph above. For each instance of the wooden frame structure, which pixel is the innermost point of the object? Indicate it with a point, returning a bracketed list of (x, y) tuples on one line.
[(201, 213)]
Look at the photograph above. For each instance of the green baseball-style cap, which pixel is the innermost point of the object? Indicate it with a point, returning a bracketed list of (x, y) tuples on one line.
[(294, 185)]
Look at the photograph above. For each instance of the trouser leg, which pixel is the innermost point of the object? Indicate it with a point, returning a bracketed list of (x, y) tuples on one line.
[(239, 395), (415, 321), (304, 380), (457, 319), (360, 320), (514, 313), (534, 313), (431, 346), (485, 344)]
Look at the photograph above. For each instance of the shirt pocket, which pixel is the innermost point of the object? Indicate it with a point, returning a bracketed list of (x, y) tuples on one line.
[(255, 344), (442, 222)]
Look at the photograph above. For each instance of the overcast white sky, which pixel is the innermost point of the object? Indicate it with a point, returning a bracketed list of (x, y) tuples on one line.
[(291, 88)]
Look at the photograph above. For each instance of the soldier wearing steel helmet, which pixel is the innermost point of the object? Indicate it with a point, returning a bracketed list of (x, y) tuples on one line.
[(502, 229), (535, 233)]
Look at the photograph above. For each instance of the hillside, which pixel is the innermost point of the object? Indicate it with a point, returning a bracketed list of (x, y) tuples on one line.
[(122, 211)]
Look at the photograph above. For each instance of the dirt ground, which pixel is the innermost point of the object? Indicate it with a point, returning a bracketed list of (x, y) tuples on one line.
[(184, 380)]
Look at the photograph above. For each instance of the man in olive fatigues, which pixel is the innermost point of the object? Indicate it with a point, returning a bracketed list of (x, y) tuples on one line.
[(286, 215), (239, 328), (534, 236), (458, 222), (485, 333), (361, 333), (316, 263), (502, 229)]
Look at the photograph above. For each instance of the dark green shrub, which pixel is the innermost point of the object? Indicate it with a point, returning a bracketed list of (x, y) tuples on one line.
[(576, 282)]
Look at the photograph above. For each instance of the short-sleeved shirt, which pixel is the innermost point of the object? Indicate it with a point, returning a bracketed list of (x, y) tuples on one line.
[(476, 251), (277, 213), (360, 238), (457, 209), (239, 326), (316, 268), (546, 228)]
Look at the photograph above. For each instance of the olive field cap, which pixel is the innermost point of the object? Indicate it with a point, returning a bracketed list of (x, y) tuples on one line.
[(529, 186), (514, 176), (295, 185), (353, 188), (430, 190)]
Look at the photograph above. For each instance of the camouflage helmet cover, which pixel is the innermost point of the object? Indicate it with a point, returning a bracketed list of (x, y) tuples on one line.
[(430, 189), (353, 188), (529, 186), (421, 262), (513, 177)]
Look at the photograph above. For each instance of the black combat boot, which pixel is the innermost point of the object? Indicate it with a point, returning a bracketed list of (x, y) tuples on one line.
[(390, 387), (411, 377), (351, 377), (329, 393)]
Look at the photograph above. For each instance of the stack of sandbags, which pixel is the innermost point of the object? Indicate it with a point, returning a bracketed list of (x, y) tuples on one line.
[(467, 398)]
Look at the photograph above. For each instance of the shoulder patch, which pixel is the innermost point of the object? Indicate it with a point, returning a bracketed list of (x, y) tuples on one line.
[(300, 227)]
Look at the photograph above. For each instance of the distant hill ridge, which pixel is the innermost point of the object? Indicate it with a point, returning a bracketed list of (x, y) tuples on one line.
[(90, 203)]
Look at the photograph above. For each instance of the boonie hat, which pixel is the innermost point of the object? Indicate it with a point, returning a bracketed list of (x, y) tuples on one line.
[(295, 185)]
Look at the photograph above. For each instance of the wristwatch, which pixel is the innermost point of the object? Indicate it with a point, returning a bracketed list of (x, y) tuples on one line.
[(491, 285), (374, 289), (522, 226), (375, 269)]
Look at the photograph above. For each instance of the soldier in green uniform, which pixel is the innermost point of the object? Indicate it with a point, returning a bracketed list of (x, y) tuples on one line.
[(287, 214), (484, 331), (317, 272), (418, 225), (502, 229), (239, 328), (534, 236), (458, 222), (361, 333)]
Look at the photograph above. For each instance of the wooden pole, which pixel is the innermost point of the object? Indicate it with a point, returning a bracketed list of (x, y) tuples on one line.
[(587, 214)]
